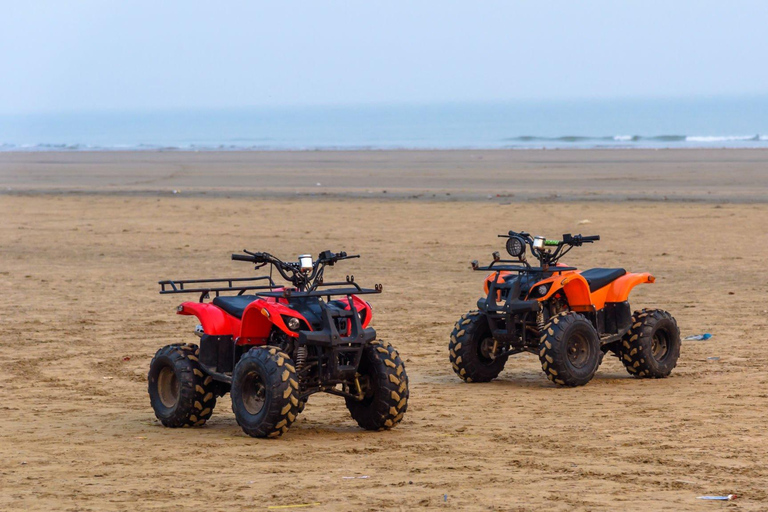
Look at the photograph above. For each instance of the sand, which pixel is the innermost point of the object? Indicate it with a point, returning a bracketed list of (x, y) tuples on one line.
[(597, 175), (82, 318)]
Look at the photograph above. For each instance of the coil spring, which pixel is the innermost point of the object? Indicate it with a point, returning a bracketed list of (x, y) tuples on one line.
[(301, 358)]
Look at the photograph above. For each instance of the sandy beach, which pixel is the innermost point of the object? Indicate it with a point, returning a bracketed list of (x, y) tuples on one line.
[(86, 236), (711, 175)]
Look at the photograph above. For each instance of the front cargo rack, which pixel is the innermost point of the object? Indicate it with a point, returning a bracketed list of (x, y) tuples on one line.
[(351, 288)]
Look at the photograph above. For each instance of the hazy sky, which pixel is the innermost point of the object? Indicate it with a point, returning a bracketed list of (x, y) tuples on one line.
[(65, 55)]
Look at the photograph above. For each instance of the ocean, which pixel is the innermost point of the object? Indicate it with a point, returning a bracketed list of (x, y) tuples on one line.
[(620, 123)]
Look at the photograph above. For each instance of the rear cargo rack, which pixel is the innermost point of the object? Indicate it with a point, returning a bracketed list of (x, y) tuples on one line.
[(225, 284)]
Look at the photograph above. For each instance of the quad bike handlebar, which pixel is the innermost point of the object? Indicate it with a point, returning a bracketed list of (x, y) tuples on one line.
[(540, 247), (300, 273), (577, 240)]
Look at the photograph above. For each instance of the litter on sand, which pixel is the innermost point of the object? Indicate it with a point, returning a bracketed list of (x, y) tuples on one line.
[(698, 337), (714, 358), (354, 477), (718, 498)]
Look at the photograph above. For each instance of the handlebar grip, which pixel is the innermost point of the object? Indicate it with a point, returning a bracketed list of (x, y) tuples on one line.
[(593, 238), (244, 257)]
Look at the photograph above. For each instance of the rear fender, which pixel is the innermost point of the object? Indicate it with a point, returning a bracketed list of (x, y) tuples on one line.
[(618, 291), (214, 320), (259, 317)]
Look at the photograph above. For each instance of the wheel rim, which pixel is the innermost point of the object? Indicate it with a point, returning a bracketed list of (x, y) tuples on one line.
[(579, 350), (168, 387), (660, 345), (485, 349), (254, 393)]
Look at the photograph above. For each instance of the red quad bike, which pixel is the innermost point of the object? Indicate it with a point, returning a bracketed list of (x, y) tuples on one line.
[(273, 349), (570, 319)]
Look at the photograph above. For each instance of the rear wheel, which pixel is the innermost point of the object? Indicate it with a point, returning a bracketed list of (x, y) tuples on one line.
[(265, 392), (472, 348), (652, 346), (569, 350), (384, 385), (180, 393)]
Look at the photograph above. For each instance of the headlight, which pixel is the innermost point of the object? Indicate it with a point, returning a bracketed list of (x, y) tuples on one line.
[(541, 290), (515, 246), (293, 323)]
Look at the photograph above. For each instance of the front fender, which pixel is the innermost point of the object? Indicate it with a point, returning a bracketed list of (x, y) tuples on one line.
[(260, 316), (577, 292), (362, 307), (215, 321)]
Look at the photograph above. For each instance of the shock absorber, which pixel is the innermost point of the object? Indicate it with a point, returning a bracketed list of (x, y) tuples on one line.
[(301, 358), (540, 322)]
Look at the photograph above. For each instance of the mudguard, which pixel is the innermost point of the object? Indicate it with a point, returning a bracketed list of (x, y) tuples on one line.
[(259, 317), (618, 291), (576, 289), (577, 293), (361, 306), (215, 321)]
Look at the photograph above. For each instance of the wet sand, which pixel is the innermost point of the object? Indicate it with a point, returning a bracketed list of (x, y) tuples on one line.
[(82, 319), (715, 175)]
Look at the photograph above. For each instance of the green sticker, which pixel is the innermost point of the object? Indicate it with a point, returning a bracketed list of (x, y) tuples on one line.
[(551, 242)]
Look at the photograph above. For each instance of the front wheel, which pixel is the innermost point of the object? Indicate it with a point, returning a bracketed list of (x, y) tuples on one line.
[(652, 346), (265, 392), (384, 386), (472, 349), (569, 350), (180, 393)]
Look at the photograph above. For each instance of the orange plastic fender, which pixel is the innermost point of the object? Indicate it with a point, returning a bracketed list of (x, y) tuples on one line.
[(556, 286), (576, 290), (490, 278), (618, 291)]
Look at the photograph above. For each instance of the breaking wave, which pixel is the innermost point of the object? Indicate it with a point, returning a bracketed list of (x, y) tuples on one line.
[(520, 142)]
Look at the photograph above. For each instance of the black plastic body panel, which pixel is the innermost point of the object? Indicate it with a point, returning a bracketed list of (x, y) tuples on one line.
[(617, 317), (217, 352)]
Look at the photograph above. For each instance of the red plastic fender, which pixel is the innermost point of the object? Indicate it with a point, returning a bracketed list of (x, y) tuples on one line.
[(259, 317), (361, 306), (214, 320)]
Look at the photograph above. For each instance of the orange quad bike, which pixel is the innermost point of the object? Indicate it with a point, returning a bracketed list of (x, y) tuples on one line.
[(569, 318)]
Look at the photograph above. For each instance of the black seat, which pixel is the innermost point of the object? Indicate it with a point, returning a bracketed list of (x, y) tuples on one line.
[(235, 304), (599, 277)]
